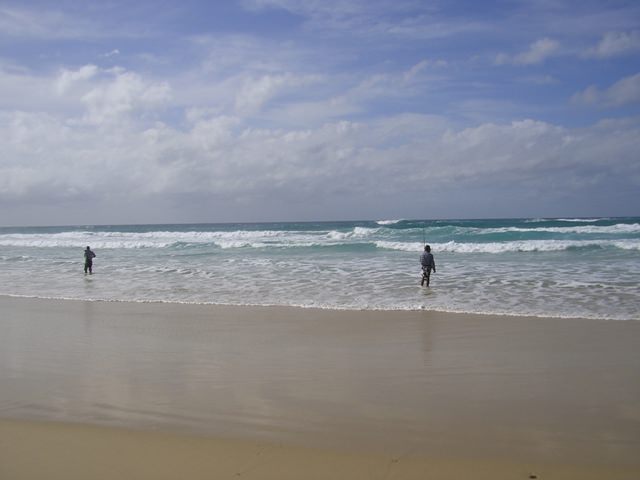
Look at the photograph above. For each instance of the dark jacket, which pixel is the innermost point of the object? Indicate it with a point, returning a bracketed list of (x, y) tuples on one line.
[(426, 259)]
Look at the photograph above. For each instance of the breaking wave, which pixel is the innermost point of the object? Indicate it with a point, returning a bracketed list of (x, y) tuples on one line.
[(514, 246), (534, 267)]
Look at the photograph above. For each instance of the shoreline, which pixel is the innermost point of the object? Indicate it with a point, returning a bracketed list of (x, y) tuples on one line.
[(327, 309), (494, 392)]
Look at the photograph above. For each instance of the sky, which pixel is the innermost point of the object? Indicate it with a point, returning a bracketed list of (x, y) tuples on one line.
[(181, 111)]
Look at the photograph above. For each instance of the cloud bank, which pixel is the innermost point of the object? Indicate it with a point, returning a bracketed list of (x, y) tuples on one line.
[(312, 110), (117, 146), (625, 91)]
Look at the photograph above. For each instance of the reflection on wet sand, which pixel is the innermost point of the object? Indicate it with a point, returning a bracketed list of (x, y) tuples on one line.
[(406, 381)]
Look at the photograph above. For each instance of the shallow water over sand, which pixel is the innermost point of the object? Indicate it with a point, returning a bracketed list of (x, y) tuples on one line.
[(581, 268)]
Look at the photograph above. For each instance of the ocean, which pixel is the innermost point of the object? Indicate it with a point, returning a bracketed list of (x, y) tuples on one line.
[(552, 267)]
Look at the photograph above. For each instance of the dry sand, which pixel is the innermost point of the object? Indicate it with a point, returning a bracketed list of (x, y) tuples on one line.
[(123, 390)]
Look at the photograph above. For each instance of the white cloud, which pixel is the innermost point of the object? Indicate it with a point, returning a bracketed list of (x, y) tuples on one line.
[(254, 93), (124, 93), (625, 91), (356, 94), (401, 18), (67, 78), (538, 52), (223, 54), (304, 112), (43, 23), (113, 52), (21, 90), (616, 43), (52, 159), (417, 69)]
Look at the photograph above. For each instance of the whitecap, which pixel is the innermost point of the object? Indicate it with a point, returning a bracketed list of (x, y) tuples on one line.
[(402, 246), (364, 231), (579, 220), (586, 229), (513, 246)]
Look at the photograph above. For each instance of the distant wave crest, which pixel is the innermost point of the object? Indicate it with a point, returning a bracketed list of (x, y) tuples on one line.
[(586, 229), (573, 220), (449, 238), (514, 246), (388, 222), (167, 239)]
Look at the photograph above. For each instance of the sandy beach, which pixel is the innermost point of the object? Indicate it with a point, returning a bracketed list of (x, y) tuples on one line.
[(149, 390)]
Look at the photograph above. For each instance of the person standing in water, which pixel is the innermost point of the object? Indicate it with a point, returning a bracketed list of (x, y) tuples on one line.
[(428, 264), (88, 261)]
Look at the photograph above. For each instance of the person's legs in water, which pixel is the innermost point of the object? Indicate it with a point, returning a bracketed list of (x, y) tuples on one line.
[(425, 276)]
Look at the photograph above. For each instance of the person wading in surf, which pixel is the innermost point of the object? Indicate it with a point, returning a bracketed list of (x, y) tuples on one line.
[(88, 261), (428, 264)]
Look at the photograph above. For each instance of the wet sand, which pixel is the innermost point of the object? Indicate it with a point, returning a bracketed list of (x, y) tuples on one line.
[(128, 390)]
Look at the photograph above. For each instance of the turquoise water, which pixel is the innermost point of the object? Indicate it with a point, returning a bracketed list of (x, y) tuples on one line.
[(570, 267)]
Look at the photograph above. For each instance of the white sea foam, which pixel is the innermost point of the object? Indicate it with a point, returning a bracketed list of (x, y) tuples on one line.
[(364, 231), (377, 270), (157, 239), (573, 220), (402, 246), (588, 229), (265, 239), (164, 239), (578, 220), (356, 232), (514, 246), (627, 244), (388, 222)]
